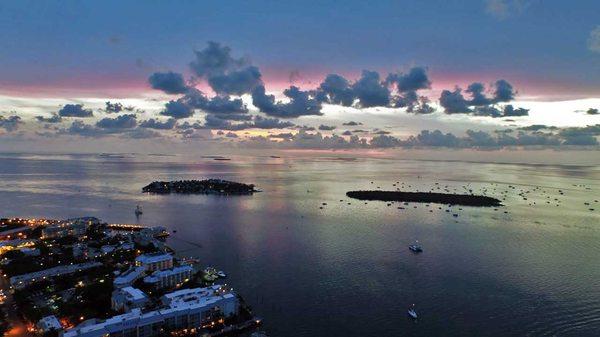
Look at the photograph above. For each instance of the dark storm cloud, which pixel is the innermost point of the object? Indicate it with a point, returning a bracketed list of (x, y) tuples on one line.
[(177, 110), (55, 118), (301, 103), (323, 127), (79, 128), (169, 82), (119, 122), (75, 110), (10, 123), (158, 125)]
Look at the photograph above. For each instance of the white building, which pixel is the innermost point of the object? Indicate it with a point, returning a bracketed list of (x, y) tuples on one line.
[(75, 227), (23, 280), (155, 261), (49, 323), (127, 299), (184, 309), (129, 276), (170, 278)]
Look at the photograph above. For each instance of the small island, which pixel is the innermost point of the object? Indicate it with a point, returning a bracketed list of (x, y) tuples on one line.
[(208, 186), (426, 197)]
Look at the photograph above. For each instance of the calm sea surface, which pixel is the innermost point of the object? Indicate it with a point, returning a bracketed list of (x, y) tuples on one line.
[(345, 270)]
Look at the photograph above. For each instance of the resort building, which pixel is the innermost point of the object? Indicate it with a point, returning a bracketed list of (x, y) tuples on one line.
[(128, 298), (170, 278), (189, 309), (75, 227), (156, 261), (21, 281), (129, 276)]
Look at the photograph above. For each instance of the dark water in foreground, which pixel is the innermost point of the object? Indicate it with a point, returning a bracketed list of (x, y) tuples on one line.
[(345, 270)]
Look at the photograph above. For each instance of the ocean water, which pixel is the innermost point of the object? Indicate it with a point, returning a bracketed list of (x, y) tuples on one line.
[(530, 268)]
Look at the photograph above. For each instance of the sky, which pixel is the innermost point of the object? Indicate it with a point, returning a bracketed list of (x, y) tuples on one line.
[(276, 74)]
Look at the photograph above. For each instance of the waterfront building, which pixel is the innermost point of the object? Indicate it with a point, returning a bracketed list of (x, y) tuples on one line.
[(170, 278), (190, 309), (21, 281), (155, 261), (129, 276), (128, 298)]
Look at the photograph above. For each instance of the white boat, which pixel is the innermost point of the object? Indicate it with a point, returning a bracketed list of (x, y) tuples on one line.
[(138, 210), (412, 313), (416, 247)]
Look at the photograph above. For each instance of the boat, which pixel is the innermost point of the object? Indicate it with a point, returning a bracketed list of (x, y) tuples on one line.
[(416, 247), (412, 312), (221, 274), (138, 210)]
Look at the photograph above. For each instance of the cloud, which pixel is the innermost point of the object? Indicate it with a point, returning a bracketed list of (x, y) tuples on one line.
[(454, 102), (75, 110), (301, 103), (503, 9), (117, 107), (370, 91), (414, 80), (236, 82), (480, 104), (270, 123), (140, 133), (224, 105), (177, 110), (503, 91), (336, 90), (225, 75), (385, 141), (323, 127), (593, 41), (215, 60), (169, 82), (79, 128), (119, 122), (55, 118), (286, 135), (158, 125), (10, 123), (347, 133)]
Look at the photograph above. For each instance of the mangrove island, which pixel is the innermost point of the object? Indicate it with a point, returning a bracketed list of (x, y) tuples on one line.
[(208, 186), (426, 197)]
